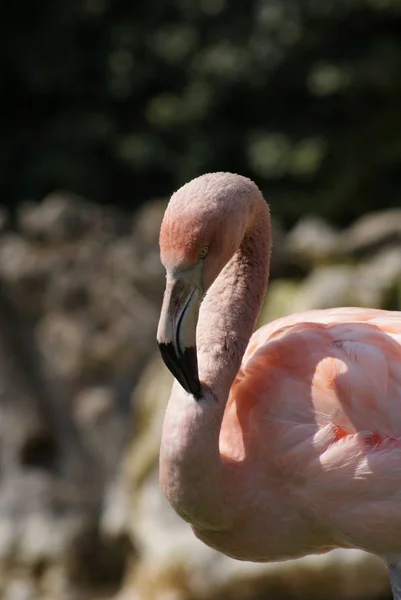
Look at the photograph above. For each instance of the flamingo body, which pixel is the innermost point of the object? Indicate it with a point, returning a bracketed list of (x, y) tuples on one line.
[(312, 427), (288, 441)]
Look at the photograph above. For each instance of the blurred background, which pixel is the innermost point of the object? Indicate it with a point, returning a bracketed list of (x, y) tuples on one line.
[(108, 107)]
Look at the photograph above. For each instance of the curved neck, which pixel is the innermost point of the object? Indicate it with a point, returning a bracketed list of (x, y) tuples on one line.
[(190, 462), (230, 309)]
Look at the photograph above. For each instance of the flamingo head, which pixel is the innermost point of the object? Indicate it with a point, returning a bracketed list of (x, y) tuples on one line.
[(202, 228)]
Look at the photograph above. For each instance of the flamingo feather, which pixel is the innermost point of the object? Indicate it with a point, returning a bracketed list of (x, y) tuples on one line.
[(288, 441)]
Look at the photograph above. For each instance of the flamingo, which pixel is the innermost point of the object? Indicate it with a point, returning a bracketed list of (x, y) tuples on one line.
[(288, 442)]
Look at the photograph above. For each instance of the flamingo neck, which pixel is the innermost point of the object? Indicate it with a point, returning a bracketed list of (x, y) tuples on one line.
[(230, 309), (191, 468)]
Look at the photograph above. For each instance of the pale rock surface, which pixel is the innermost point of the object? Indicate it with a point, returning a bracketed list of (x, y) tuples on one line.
[(60, 217), (372, 232), (373, 282), (79, 295), (313, 240)]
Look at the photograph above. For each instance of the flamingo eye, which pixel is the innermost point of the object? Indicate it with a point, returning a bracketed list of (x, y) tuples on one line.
[(204, 252)]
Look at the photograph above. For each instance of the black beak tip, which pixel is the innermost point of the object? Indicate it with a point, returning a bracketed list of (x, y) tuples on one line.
[(183, 366)]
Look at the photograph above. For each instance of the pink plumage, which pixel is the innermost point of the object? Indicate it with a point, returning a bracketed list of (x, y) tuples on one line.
[(319, 393), (289, 444)]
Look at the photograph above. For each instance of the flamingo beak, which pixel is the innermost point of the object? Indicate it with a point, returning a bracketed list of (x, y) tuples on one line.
[(176, 333)]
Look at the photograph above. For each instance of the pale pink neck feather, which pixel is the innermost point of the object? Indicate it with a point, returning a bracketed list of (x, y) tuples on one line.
[(231, 307), (190, 462)]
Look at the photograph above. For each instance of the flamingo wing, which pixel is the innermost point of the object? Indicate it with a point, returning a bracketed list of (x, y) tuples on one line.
[(318, 396)]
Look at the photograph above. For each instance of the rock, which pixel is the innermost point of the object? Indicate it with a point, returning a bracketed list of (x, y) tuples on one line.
[(25, 272), (116, 508), (62, 341), (69, 291), (42, 516), (127, 262), (313, 241), (149, 401), (283, 262), (93, 405), (75, 331), (98, 416), (372, 283), (98, 563), (60, 217), (146, 226), (19, 589), (56, 584), (379, 278), (372, 232), (326, 287)]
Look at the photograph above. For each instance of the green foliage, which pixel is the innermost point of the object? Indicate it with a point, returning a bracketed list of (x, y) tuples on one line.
[(124, 101)]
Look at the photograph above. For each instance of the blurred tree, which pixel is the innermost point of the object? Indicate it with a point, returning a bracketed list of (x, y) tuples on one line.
[(124, 101)]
